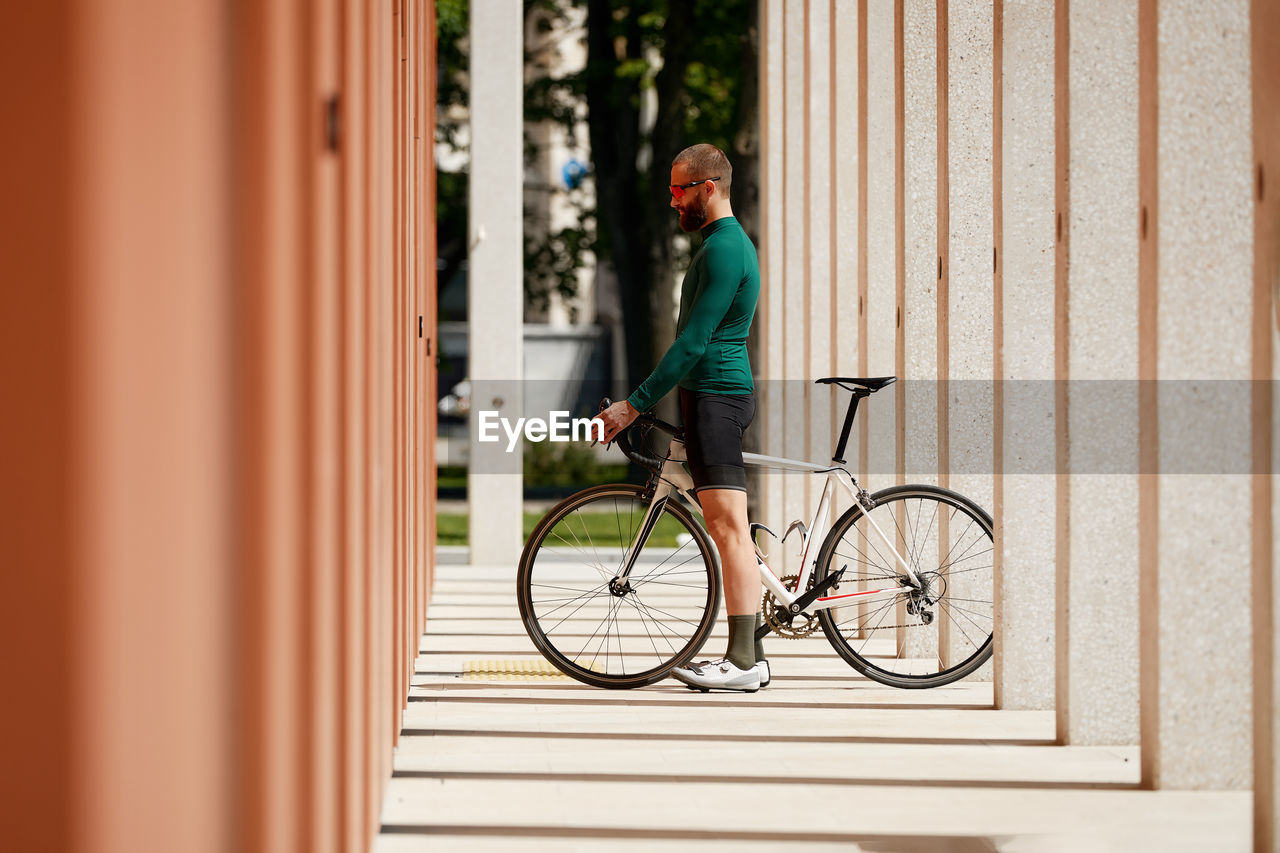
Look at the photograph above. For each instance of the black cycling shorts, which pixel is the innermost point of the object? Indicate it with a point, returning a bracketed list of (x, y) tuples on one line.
[(713, 427)]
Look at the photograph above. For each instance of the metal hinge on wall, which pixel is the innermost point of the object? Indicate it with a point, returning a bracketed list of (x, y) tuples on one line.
[(331, 126)]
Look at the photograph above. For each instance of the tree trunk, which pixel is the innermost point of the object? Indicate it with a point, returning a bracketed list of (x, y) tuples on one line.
[(667, 140), (613, 106)]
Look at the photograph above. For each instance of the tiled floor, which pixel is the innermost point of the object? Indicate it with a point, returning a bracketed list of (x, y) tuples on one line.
[(820, 758)]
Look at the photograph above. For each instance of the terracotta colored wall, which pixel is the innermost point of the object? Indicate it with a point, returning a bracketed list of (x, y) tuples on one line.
[(217, 445)]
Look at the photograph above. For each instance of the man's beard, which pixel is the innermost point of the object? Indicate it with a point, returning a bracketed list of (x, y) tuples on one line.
[(693, 217)]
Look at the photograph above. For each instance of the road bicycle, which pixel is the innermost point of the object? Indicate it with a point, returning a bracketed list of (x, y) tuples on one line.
[(618, 584)]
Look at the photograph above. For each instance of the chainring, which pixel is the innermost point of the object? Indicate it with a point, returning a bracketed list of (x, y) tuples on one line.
[(802, 625)]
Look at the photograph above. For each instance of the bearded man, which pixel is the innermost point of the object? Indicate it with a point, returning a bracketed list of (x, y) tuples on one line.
[(708, 362)]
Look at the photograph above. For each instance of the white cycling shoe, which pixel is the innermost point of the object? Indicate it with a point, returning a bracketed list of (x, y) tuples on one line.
[(718, 675)]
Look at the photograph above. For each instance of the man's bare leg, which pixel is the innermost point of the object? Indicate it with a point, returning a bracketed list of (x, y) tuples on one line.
[(725, 511)]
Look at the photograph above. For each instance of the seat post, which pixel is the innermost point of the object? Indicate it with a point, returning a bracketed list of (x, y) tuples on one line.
[(838, 458)]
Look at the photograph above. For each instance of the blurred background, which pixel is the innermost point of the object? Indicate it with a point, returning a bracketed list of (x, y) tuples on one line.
[(611, 92)]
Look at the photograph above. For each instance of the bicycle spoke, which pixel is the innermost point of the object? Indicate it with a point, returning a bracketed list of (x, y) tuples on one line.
[(867, 561), (960, 625), (966, 559), (591, 592), (600, 569), (645, 625), (665, 632), (593, 636), (929, 532), (575, 610), (651, 577), (957, 541), (984, 568)]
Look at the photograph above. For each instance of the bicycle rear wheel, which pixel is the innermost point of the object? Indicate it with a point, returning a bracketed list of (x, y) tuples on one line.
[(923, 637), (617, 637)]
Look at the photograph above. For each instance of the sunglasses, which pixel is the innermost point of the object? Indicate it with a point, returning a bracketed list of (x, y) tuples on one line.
[(677, 190)]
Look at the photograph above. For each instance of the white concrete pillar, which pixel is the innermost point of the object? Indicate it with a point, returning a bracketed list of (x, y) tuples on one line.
[(1201, 735), (819, 225), (882, 292), (919, 371), (845, 175), (920, 170), (795, 320), (1264, 33), (769, 314), (495, 282), (1098, 687), (971, 241), (1025, 639)]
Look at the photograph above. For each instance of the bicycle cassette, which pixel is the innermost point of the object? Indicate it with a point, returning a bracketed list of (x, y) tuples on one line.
[(780, 621)]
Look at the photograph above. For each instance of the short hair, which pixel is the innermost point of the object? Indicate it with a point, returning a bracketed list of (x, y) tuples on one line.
[(707, 161)]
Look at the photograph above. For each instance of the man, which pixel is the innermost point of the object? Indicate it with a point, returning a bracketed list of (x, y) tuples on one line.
[(709, 362)]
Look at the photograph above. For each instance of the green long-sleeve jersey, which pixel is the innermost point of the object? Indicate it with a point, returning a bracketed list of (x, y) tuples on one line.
[(717, 301)]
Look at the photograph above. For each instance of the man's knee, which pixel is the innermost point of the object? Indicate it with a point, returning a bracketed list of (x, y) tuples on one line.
[(725, 522)]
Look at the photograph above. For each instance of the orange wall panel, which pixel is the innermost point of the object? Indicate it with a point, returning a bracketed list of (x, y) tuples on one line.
[(220, 513)]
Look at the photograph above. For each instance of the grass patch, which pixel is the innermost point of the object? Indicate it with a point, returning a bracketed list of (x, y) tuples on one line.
[(601, 528), (451, 477)]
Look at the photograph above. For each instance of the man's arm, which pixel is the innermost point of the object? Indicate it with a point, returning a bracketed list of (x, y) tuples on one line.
[(717, 288)]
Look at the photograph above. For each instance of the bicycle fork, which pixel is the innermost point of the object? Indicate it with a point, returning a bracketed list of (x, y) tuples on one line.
[(672, 477)]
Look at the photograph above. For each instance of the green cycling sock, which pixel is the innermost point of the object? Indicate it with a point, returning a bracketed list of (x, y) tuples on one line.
[(742, 641), (759, 642)]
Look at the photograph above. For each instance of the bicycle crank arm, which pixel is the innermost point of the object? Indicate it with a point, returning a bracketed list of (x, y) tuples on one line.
[(796, 607)]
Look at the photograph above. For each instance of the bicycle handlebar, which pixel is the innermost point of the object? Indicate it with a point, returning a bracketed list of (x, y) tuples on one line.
[(644, 419)]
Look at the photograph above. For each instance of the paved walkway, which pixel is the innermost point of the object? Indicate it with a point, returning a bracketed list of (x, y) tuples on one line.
[(492, 759)]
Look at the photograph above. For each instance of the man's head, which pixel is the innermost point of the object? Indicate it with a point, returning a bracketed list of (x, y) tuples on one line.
[(700, 180)]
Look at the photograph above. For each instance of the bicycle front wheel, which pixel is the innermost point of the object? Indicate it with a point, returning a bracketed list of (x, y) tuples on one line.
[(923, 636), (610, 634)]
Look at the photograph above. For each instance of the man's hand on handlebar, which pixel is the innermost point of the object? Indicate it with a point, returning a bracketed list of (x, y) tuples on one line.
[(616, 418)]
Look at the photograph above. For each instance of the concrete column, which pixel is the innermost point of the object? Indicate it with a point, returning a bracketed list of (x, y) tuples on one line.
[(1024, 643), (845, 171), (920, 313), (769, 314), (882, 298), (1204, 297), (918, 372), (1264, 33), (1098, 686), (495, 284), (819, 226), (971, 240), (794, 297), (768, 318)]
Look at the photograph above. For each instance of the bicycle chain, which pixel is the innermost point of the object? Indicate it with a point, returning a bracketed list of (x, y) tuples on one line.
[(770, 606)]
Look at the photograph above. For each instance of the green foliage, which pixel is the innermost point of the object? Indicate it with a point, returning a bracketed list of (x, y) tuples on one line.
[(709, 46), (451, 477), (451, 528), (567, 464), (553, 262), (452, 25)]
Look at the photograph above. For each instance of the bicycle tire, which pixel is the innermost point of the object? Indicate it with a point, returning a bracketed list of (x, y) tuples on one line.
[(584, 629), (957, 635)]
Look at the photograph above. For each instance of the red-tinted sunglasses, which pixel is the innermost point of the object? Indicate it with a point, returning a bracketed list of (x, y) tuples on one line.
[(677, 190)]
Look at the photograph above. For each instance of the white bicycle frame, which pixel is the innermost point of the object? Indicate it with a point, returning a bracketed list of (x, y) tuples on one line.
[(674, 478)]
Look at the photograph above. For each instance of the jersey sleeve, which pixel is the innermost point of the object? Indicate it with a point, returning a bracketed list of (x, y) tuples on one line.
[(717, 286)]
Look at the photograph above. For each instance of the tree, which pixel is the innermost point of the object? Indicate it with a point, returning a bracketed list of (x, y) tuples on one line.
[(696, 61), (704, 80)]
